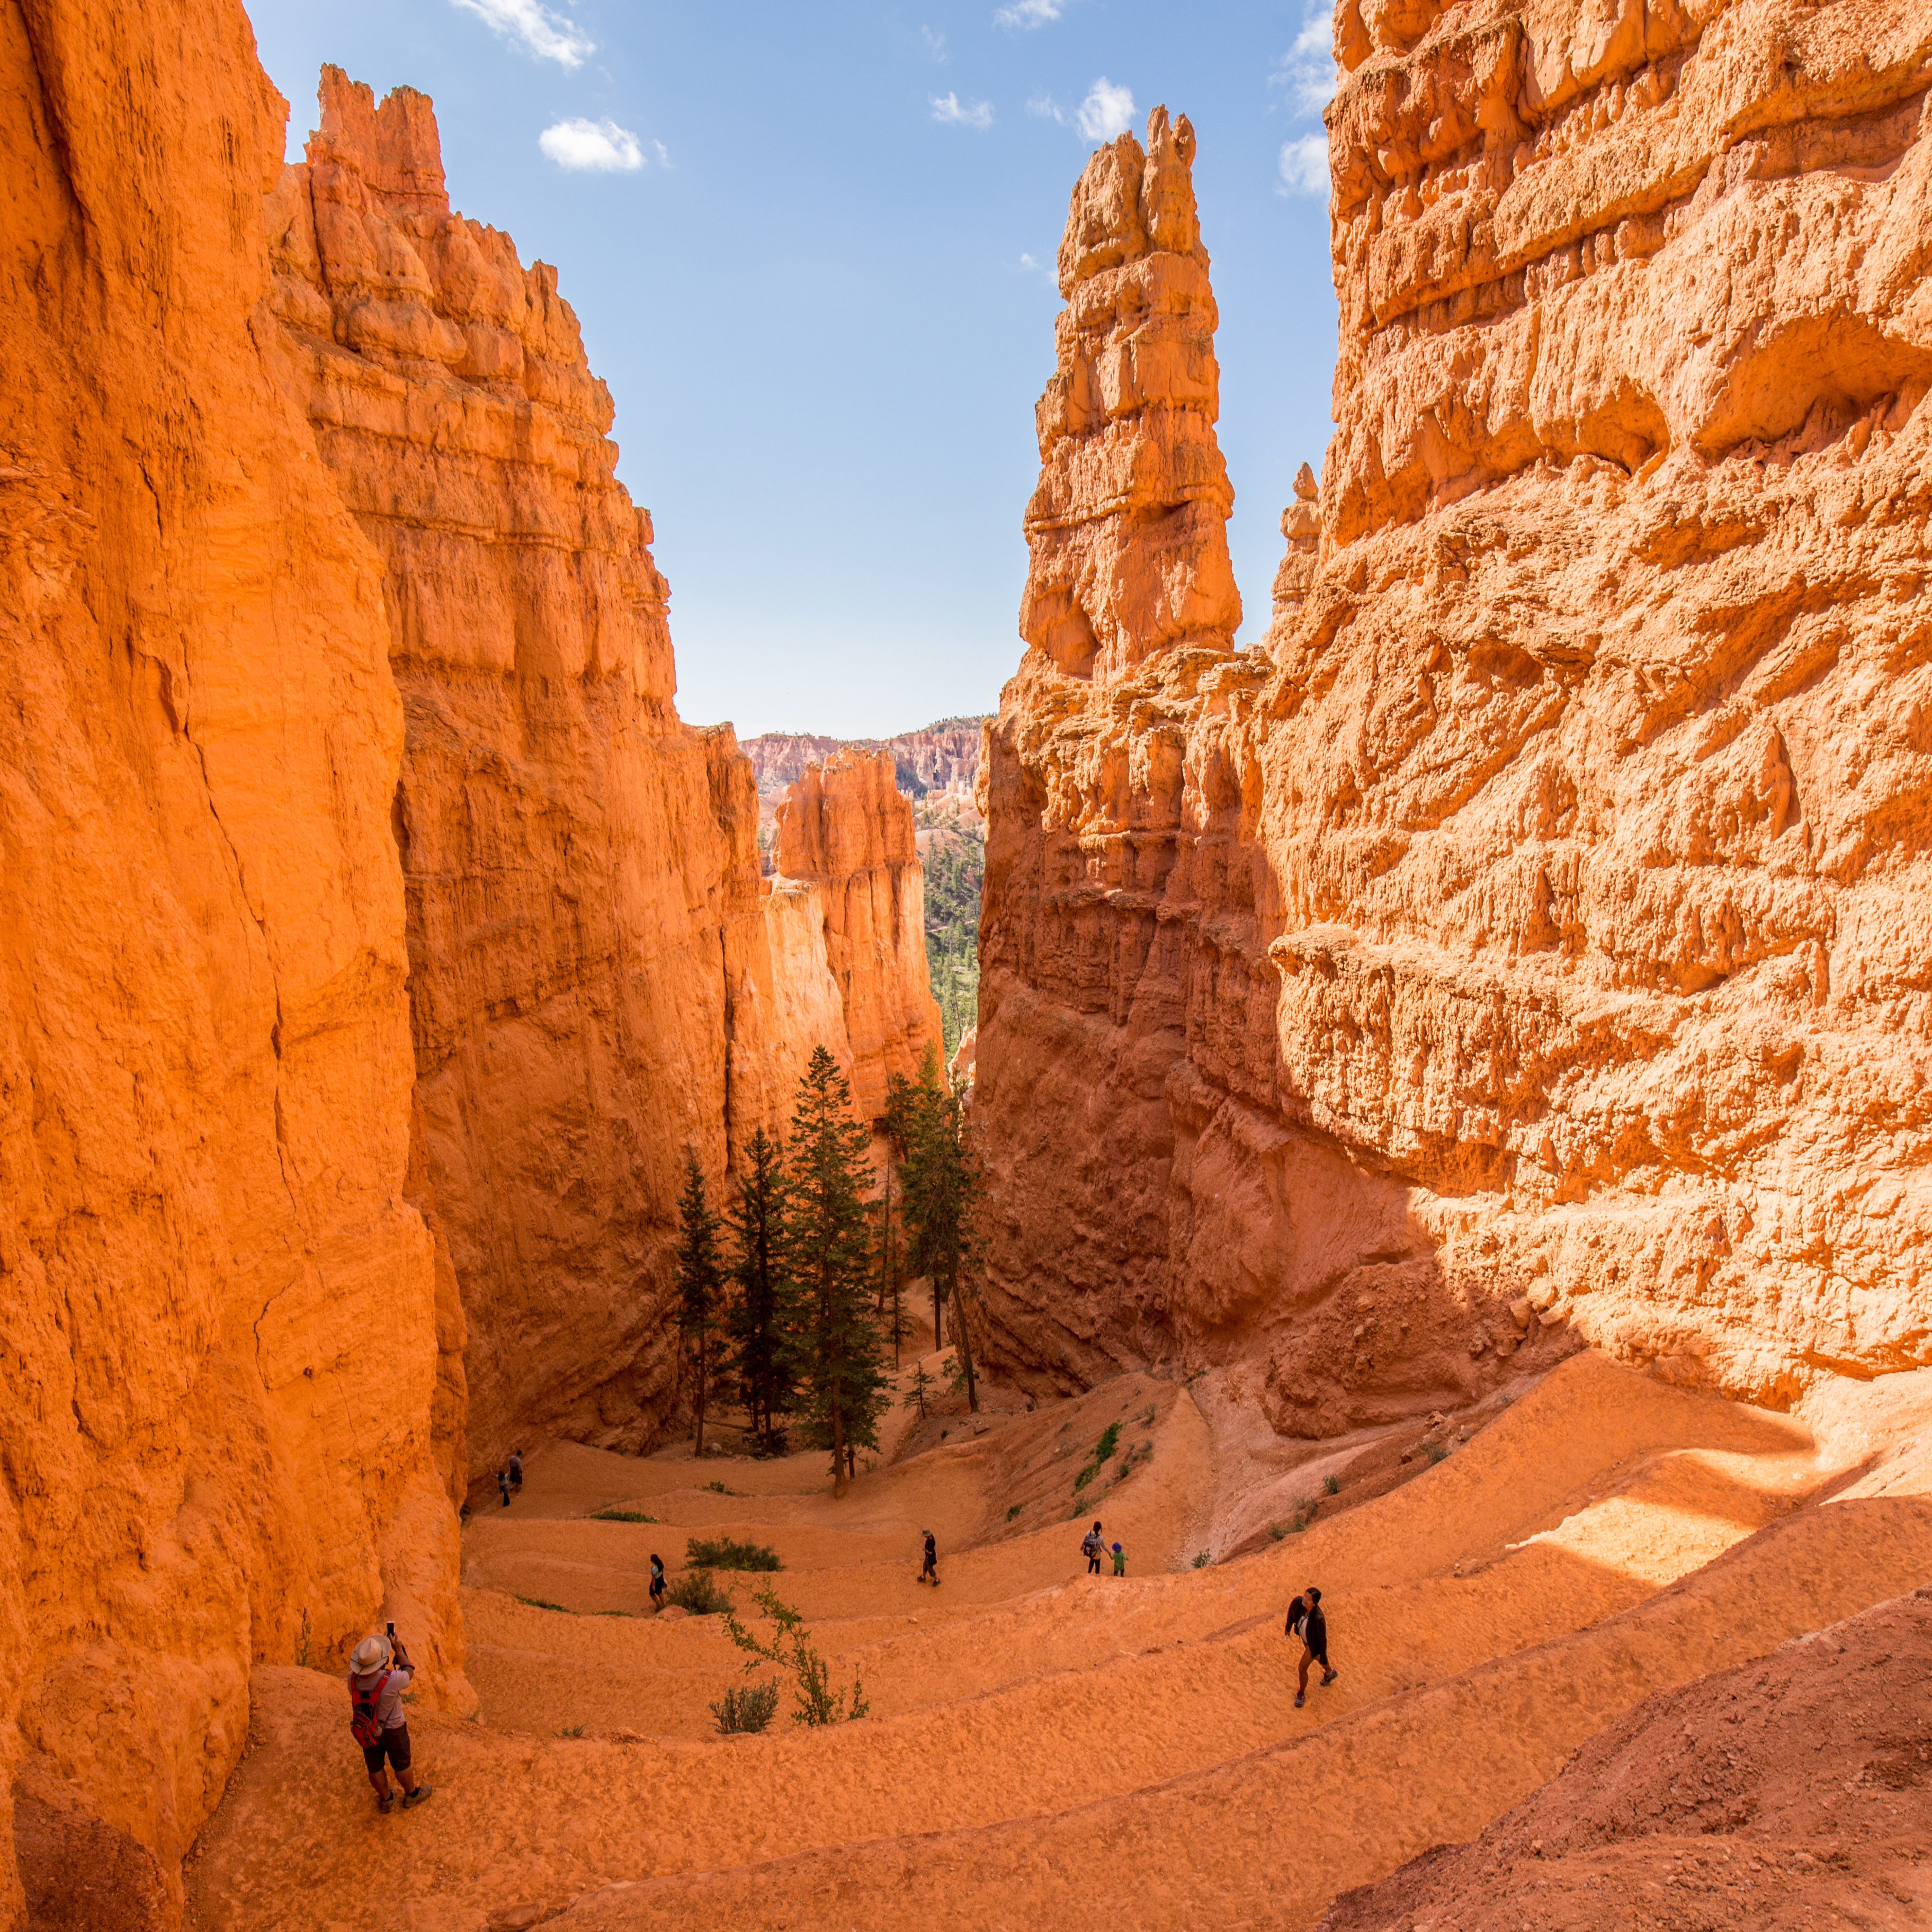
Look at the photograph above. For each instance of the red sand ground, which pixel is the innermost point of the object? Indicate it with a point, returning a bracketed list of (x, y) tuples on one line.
[(1047, 1748)]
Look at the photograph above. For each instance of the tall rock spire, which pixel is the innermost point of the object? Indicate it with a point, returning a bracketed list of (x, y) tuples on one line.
[(1127, 530)]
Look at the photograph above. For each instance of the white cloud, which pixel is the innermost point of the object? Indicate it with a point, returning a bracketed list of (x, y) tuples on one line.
[(1107, 111), (948, 109), (1304, 164), (1029, 13), (533, 27), (935, 43), (601, 145), (1047, 108), (1307, 71), (663, 154), (1027, 261)]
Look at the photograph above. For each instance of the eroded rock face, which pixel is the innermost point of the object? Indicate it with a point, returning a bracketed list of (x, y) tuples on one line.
[(845, 830), (596, 979), (943, 757), (1519, 944), (219, 1366)]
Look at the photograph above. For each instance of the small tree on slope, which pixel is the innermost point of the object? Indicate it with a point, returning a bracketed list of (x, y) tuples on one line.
[(828, 1255), (764, 1309), (700, 1279)]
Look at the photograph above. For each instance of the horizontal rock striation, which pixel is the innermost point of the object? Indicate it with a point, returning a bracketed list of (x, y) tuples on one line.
[(1518, 944), (221, 1329), (943, 757)]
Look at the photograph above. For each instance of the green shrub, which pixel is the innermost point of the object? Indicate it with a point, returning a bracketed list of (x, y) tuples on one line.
[(725, 1553), (1103, 1450), (1275, 1532), (697, 1591), (714, 1484), (750, 1709), (620, 1515), (1201, 1561), (1331, 1485), (1014, 1511), (571, 1731), (1434, 1452), (791, 1646), (538, 1603)]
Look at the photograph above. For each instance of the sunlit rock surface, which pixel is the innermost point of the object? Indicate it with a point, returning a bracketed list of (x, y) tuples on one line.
[(1520, 943)]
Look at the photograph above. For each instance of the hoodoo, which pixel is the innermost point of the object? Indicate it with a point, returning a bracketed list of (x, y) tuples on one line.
[(1515, 948)]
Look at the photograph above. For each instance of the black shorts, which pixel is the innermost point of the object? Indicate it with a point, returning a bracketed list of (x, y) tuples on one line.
[(394, 1747)]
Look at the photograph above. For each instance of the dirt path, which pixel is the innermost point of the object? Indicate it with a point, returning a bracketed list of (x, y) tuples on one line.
[(1044, 1746)]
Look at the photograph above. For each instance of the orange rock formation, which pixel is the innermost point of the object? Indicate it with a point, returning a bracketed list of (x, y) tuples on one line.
[(1517, 945), (845, 829), (595, 982), (944, 757), (220, 1318)]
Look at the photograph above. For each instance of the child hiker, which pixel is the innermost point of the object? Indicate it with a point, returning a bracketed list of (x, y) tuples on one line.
[(1119, 1560)]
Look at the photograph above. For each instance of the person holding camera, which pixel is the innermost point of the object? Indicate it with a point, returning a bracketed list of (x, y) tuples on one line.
[(378, 1673)]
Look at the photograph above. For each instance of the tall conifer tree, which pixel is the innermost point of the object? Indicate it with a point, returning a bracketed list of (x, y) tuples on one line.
[(828, 1253), (700, 1282), (944, 1194), (764, 1311)]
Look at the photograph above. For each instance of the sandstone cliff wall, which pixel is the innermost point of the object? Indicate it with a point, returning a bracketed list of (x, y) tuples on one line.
[(596, 979), (846, 831), (219, 1310), (1521, 943)]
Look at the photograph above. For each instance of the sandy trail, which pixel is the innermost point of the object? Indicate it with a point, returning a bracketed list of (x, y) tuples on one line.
[(1044, 1746)]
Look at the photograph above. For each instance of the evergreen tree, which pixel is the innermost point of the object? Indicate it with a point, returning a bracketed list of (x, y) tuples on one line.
[(901, 1113), (943, 1193), (828, 1256), (764, 1311), (701, 1286)]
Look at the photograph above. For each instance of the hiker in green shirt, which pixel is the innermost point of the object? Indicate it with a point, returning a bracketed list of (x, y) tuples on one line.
[(1119, 1560)]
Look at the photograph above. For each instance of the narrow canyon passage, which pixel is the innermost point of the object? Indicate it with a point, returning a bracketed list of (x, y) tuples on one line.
[(1044, 1746)]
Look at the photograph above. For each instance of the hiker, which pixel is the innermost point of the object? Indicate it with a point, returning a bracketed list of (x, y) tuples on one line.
[(657, 1581), (1119, 1560), (930, 1574), (378, 1673), (1091, 1546), (1306, 1620), (503, 1486), (517, 1471)]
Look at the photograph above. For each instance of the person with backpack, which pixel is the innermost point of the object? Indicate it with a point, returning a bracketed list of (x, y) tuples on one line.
[(1092, 1546), (378, 1673), (517, 1471), (1119, 1560), (657, 1581), (930, 1574), (1306, 1620)]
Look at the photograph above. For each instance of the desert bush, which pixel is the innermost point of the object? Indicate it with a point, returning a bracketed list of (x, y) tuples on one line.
[(714, 1484), (538, 1604), (790, 1645), (620, 1515), (1014, 1511), (1332, 1485), (750, 1709), (1201, 1561), (697, 1591), (725, 1553), (1434, 1452)]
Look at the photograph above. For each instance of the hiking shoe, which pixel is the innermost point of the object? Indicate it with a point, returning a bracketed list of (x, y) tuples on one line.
[(411, 1798), (1329, 1676), (1299, 1701), (386, 1805)]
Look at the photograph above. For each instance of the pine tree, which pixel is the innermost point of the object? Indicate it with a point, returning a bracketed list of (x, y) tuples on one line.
[(701, 1283), (828, 1255), (901, 1113), (943, 1193), (763, 1310)]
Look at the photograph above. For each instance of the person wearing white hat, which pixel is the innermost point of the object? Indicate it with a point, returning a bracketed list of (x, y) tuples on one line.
[(378, 1674)]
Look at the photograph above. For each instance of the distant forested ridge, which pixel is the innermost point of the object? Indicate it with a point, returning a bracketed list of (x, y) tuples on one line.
[(955, 868)]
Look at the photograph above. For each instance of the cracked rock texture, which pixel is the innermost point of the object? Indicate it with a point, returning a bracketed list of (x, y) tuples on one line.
[(944, 757), (845, 829), (1519, 944), (597, 976), (218, 1310)]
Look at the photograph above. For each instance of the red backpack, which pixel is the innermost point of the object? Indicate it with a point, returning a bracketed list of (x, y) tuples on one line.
[(365, 1723)]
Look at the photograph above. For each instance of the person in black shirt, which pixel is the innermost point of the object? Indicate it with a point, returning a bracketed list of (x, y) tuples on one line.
[(931, 1573), (1306, 1620)]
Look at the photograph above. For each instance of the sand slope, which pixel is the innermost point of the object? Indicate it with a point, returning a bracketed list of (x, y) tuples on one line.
[(1045, 1747)]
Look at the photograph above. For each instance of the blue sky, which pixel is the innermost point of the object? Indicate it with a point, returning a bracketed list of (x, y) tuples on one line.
[(812, 247)]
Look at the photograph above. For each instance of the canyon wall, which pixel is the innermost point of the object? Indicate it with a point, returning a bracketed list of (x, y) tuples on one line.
[(846, 832), (944, 757), (598, 978), (219, 1309), (1517, 945)]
